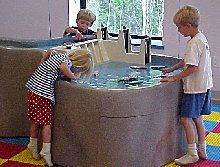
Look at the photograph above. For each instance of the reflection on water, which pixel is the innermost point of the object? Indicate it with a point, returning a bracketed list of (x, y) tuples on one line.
[(111, 74)]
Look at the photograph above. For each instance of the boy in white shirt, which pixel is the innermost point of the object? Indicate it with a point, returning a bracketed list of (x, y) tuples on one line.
[(197, 82)]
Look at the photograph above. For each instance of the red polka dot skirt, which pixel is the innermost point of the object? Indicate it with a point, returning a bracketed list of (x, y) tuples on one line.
[(39, 109)]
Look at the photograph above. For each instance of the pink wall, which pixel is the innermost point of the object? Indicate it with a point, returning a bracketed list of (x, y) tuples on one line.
[(28, 19)]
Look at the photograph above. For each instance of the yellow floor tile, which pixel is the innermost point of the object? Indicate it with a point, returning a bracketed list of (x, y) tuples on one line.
[(2, 161), (25, 157), (172, 164), (214, 116), (213, 139)]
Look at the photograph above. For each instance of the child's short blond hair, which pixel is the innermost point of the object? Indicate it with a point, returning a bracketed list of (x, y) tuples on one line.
[(187, 15), (87, 15)]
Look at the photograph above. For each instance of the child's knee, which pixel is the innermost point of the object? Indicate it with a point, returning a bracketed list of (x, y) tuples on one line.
[(185, 120)]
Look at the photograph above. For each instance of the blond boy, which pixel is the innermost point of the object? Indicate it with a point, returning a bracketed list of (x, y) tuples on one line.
[(197, 82), (85, 19)]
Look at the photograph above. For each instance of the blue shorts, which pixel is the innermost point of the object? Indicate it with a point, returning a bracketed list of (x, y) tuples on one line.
[(194, 105)]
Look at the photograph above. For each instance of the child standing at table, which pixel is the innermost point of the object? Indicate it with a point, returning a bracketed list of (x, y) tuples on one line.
[(41, 100), (197, 82), (85, 19)]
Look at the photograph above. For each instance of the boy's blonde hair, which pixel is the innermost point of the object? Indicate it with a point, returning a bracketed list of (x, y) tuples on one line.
[(87, 15), (187, 15)]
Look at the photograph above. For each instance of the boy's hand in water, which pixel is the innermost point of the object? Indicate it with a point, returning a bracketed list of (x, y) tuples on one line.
[(168, 79), (166, 70)]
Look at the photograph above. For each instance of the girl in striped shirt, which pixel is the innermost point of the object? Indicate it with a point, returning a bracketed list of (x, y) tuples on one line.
[(41, 99)]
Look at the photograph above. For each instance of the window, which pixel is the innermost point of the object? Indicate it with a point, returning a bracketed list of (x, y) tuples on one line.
[(140, 16), (74, 7)]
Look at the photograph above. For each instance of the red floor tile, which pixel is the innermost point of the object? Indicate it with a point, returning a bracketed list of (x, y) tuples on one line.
[(206, 133), (204, 163), (216, 129), (9, 150), (18, 164)]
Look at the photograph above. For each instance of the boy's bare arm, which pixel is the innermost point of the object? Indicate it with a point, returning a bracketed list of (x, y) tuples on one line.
[(68, 30), (173, 68), (189, 70), (66, 71), (71, 30)]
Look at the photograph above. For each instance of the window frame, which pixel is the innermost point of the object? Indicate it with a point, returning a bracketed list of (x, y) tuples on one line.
[(82, 4)]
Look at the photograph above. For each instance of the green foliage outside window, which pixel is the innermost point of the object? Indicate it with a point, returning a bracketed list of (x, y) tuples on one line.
[(140, 16)]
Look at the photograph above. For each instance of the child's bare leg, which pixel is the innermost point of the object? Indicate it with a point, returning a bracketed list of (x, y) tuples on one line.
[(32, 146), (191, 155), (189, 130), (45, 152), (46, 133), (34, 130), (200, 128), (201, 137)]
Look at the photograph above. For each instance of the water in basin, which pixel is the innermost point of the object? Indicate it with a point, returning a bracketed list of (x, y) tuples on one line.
[(111, 73)]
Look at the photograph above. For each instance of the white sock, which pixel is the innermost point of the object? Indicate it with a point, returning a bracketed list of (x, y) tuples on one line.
[(32, 146), (45, 153), (192, 150), (46, 148), (190, 157), (186, 159), (33, 141), (202, 150), (201, 145)]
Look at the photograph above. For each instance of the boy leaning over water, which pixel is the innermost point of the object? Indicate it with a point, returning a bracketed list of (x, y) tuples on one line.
[(197, 82), (85, 19)]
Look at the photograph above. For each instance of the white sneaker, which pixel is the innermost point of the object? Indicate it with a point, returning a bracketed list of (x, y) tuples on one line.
[(47, 158), (202, 153), (34, 152), (186, 159)]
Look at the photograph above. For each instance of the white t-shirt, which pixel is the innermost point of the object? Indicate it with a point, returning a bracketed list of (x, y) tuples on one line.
[(198, 54)]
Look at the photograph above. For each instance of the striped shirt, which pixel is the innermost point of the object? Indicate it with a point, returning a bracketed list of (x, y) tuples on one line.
[(42, 81)]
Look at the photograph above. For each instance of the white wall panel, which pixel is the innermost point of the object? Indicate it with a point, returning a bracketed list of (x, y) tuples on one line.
[(59, 17)]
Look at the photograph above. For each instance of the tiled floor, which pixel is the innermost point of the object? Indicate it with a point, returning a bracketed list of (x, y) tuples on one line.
[(14, 153), (212, 126)]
